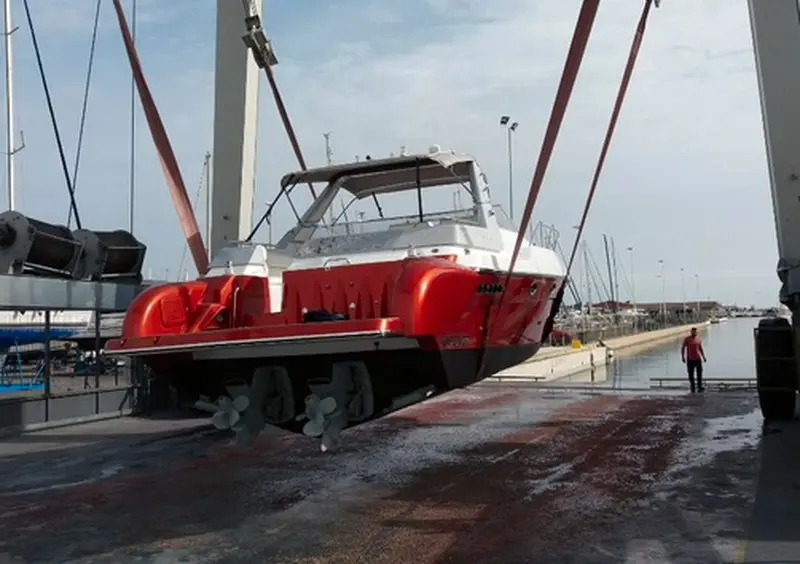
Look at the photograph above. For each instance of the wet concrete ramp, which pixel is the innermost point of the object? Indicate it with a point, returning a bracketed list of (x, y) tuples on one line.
[(489, 474)]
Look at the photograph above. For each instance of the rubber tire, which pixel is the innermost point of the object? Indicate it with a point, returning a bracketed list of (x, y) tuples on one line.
[(776, 405)]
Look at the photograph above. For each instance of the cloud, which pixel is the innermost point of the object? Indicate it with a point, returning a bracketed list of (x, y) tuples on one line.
[(685, 173)]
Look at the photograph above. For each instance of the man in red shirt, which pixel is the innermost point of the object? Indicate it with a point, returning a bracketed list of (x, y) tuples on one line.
[(694, 356)]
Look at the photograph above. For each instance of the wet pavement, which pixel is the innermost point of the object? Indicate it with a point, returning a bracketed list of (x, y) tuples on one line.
[(481, 475), (494, 474)]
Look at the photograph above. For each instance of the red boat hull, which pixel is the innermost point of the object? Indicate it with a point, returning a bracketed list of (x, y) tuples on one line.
[(413, 323)]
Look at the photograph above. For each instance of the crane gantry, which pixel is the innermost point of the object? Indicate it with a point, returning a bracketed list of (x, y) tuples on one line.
[(775, 27)]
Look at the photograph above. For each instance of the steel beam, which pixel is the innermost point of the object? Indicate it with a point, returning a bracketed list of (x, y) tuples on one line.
[(31, 293), (236, 89), (775, 25)]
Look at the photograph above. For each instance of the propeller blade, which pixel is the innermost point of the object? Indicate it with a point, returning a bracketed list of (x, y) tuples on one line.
[(233, 418), (241, 403), (220, 420), (318, 418), (327, 405), (313, 429)]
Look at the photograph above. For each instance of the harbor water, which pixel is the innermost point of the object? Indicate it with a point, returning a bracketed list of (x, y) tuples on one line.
[(728, 346)]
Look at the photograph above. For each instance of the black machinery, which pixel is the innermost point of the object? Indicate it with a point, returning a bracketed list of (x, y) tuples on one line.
[(33, 247), (110, 255)]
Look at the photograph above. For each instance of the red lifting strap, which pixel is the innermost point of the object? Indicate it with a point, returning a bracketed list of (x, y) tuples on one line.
[(612, 124), (169, 163), (577, 49)]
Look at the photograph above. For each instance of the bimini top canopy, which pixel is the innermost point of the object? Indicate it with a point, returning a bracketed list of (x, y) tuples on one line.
[(362, 179)]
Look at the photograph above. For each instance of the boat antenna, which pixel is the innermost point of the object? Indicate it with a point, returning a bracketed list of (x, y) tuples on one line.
[(419, 189), (328, 149), (329, 161)]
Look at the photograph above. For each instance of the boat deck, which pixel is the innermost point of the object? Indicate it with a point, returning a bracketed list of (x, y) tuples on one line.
[(488, 474)]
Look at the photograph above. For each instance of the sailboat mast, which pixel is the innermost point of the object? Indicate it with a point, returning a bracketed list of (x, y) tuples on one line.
[(588, 278), (614, 267), (10, 147), (610, 274)]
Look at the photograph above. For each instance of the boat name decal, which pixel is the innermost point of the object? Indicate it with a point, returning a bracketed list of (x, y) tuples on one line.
[(490, 288)]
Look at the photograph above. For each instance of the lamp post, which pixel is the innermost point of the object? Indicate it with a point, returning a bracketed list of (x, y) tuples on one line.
[(511, 127), (633, 291), (683, 293), (697, 293), (663, 294)]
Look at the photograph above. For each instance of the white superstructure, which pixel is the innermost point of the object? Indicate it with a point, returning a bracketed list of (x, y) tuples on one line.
[(479, 236)]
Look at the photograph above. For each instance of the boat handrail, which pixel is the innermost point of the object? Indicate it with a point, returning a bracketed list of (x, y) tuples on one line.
[(329, 261)]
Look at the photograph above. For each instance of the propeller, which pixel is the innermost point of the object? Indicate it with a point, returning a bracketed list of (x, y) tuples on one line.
[(269, 397), (324, 420), (229, 413)]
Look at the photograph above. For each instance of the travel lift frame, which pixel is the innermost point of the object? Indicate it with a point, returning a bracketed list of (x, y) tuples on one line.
[(776, 37), (775, 27)]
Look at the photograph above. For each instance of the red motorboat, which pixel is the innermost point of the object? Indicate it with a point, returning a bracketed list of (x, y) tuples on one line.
[(375, 314)]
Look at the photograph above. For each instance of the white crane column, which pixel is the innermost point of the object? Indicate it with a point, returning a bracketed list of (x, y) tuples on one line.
[(775, 25), (236, 88), (776, 42)]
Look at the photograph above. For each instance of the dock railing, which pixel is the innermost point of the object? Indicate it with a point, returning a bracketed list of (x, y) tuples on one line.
[(609, 331), (666, 383), (723, 384)]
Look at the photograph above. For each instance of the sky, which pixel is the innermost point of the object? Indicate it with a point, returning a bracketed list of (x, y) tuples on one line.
[(685, 181)]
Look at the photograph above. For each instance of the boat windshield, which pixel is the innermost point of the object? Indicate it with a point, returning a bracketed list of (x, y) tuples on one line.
[(350, 214)]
